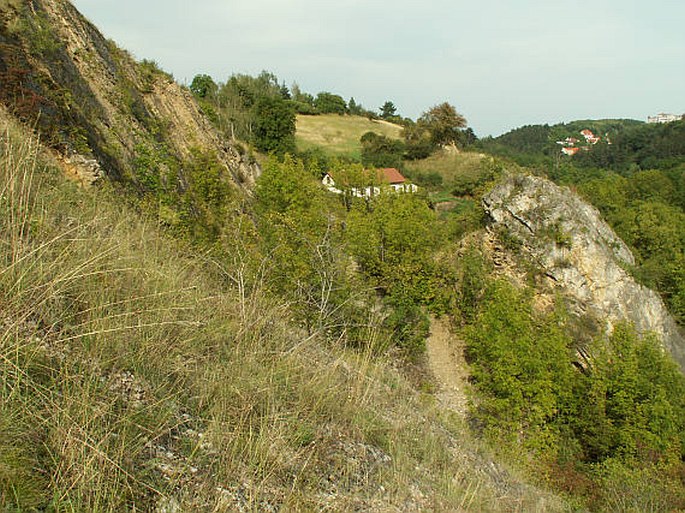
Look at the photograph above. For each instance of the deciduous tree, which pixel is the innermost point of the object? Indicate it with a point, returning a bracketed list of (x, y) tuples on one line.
[(328, 103), (274, 126), (444, 124), (301, 237), (381, 151), (203, 86)]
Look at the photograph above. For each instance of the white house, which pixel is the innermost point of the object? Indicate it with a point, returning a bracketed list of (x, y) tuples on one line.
[(397, 182), (388, 176), (590, 137)]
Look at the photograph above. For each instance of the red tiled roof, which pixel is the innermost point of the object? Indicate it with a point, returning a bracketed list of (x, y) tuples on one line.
[(391, 175), (386, 175)]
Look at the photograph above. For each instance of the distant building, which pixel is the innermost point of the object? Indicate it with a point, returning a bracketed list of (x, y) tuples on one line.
[(590, 137), (386, 176), (569, 141), (397, 182), (662, 117), (570, 150)]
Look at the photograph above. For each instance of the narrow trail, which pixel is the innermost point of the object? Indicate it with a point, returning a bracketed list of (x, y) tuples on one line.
[(446, 361)]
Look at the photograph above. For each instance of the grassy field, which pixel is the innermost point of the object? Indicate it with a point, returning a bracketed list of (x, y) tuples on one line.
[(453, 182), (339, 135), (454, 168)]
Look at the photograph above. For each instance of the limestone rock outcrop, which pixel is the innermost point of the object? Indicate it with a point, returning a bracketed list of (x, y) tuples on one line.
[(88, 97), (567, 240)]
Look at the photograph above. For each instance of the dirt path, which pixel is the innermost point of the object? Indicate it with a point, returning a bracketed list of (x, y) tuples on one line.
[(446, 361)]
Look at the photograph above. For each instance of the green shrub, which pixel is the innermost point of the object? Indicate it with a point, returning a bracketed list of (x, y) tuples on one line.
[(617, 423)]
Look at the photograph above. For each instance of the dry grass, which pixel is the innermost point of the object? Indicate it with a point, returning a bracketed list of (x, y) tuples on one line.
[(5, 4), (453, 167), (136, 375), (339, 135)]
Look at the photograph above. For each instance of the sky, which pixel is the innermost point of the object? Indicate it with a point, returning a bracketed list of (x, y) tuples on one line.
[(501, 63)]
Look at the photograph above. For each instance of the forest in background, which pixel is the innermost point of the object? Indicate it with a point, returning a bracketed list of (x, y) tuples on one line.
[(635, 176)]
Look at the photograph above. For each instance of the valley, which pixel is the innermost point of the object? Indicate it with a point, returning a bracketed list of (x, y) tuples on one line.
[(191, 321)]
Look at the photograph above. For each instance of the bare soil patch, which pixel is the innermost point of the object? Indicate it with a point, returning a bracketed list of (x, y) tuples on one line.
[(445, 353)]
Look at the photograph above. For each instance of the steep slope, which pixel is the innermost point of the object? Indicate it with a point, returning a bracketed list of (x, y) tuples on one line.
[(445, 357), (97, 106), (133, 375), (579, 254), (134, 378)]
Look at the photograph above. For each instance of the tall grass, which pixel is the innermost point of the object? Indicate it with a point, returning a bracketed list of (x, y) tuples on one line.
[(135, 374)]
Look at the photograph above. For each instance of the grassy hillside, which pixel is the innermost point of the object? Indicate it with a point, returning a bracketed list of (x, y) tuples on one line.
[(136, 375), (178, 345), (452, 168), (339, 135), (454, 182)]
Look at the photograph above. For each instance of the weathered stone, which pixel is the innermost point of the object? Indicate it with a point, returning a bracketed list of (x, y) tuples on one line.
[(111, 106), (583, 257), (84, 169)]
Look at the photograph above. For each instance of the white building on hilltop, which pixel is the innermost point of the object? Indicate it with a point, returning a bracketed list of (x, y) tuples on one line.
[(662, 117)]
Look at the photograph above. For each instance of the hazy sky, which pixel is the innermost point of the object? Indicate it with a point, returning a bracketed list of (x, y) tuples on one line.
[(502, 63)]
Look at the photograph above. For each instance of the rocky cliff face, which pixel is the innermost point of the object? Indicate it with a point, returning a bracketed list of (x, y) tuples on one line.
[(579, 254), (93, 102)]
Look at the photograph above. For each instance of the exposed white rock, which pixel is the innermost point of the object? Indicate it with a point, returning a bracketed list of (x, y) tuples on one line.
[(86, 170), (567, 238)]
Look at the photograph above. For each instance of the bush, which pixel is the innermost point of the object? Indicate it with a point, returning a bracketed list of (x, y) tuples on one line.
[(328, 103), (520, 366), (408, 324), (619, 423), (625, 488), (381, 151)]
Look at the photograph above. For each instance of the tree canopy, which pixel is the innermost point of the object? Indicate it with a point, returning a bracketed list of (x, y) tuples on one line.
[(444, 124), (329, 103), (274, 127), (257, 109), (381, 151), (203, 86), (388, 110)]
